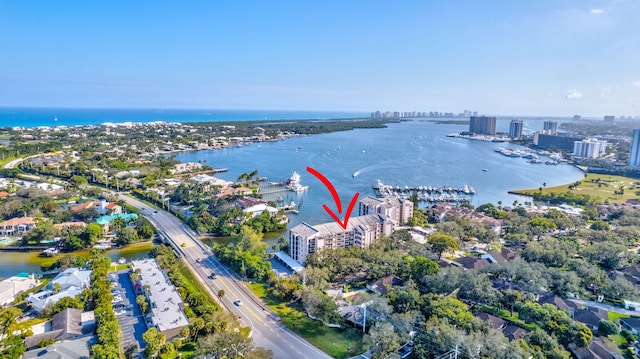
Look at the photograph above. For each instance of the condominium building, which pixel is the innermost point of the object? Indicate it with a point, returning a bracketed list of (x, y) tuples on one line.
[(609, 119), (589, 148), (361, 231), (482, 125), (515, 128), (551, 126), (634, 157), (396, 209)]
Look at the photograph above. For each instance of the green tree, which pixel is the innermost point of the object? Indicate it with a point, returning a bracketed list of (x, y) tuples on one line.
[(607, 327), (441, 242), (421, 267), (154, 340), (539, 226), (93, 233)]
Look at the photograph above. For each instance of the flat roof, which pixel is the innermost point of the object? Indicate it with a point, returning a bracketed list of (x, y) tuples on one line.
[(165, 301), (289, 262)]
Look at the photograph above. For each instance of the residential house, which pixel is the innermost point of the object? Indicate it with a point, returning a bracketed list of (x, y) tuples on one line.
[(258, 209), (631, 324), (16, 227), (64, 225), (15, 285), (383, 285), (504, 255), (600, 348), (79, 348), (495, 322), (590, 317), (231, 191), (443, 210), (68, 324), (69, 283), (471, 263), (560, 303)]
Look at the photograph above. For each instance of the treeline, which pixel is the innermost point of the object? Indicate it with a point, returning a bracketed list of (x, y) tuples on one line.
[(108, 329)]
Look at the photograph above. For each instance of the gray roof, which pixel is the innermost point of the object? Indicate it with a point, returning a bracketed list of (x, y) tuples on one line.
[(66, 324), (68, 349), (304, 229)]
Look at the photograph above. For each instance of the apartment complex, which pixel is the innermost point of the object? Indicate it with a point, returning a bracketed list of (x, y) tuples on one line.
[(397, 210), (361, 231), (482, 125), (378, 217), (551, 126), (515, 128), (589, 148), (634, 157)]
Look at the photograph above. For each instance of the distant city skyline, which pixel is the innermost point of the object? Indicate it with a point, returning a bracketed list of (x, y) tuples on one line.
[(542, 58)]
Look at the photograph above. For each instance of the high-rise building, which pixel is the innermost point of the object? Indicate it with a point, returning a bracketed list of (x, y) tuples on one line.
[(609, 119), (515, 128), (482, 125), (576, 117), (589, 148), (551, 126), (634, 157)]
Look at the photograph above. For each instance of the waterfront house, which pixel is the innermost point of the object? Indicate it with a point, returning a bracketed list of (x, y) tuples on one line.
[(13, 286), (16, 227), (258, 209), (69, 283)]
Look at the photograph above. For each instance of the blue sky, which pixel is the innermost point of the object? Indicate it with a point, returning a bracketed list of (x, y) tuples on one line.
[(543, 57)]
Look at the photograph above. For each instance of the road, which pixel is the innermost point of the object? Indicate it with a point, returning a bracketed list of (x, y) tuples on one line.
[(266, 330)]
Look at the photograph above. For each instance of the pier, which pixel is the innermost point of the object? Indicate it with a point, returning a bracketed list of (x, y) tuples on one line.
[(426, 193)]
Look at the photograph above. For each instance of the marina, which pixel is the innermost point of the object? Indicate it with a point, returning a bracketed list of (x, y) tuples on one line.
[(433, 194)]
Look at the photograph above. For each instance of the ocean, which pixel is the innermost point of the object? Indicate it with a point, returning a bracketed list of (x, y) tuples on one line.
[(35, 117)]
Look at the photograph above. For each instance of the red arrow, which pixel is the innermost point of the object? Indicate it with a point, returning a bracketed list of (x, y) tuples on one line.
[(336, 199)]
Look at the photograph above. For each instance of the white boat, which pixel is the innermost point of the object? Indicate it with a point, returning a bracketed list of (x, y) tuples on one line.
[(293, 184)]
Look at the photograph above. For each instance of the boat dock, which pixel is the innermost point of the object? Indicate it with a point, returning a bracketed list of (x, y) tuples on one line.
[(426, 193)]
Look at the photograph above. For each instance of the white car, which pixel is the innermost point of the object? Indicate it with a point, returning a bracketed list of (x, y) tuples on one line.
[(238, 303), (120, 312)]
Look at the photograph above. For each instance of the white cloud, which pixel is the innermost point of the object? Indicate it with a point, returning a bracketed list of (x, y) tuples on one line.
[(636, 83), (573, 95), (596, 11)]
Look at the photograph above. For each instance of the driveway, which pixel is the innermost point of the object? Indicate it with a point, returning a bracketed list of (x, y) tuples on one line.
[(132, 322)]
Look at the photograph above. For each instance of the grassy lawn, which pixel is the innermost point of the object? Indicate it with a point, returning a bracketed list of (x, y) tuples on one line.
[(115, 268), (192, 285), (599, 186), (613, 316), (339, 343)]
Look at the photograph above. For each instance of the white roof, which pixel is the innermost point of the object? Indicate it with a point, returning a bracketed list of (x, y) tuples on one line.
[(289, 262), (73, 277), (163, 296)]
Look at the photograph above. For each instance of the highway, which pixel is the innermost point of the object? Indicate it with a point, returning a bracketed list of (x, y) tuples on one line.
[(266, 330)]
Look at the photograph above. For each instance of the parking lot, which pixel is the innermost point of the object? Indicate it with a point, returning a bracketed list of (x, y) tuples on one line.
[(127, 311)]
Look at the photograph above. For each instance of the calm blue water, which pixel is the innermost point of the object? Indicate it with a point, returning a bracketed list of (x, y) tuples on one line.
[(411, 153), (33, 117)]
